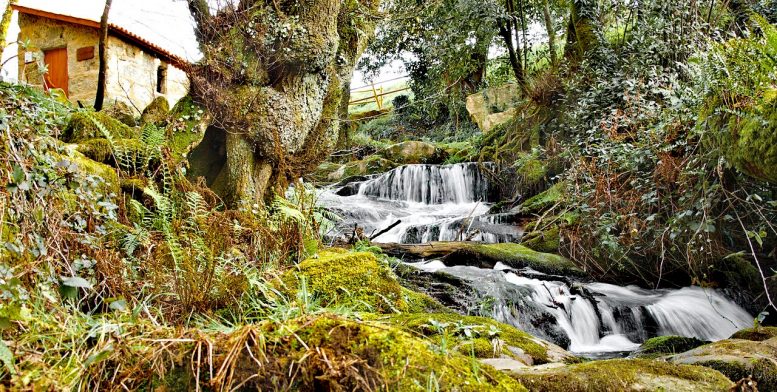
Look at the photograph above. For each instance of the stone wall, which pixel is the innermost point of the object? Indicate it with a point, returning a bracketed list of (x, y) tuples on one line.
[(44, 34), (132, 73), (132, 76)]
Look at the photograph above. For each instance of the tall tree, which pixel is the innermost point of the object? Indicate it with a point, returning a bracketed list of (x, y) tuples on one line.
[(582, 30), (272, 76), (5, 23), (551, 30), (101, 73)]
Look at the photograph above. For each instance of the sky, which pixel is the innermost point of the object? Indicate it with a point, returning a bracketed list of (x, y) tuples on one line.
[(166, 23)]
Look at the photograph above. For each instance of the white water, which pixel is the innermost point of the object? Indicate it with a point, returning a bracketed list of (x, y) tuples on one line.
[(449, 203)]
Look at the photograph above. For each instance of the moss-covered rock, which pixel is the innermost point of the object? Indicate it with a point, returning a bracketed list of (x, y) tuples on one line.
[(189, 121), (547, 240), (332, 353), (664, 345), (622, 375), (355, 279), (544, 200), (480, 336), (156, 113), (82, 127), (513, 255), (106, 173), (122, 112), (328, 172), (756, 334), (129, 153), (737, 359), (412, 152), (370, 165)]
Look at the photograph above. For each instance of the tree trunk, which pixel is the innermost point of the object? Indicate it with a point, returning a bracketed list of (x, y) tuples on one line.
[(5, 23), (100, 97), (582, 35), (506, 31), (346, 127), (551, 32)]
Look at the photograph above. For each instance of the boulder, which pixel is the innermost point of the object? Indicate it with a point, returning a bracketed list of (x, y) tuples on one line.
[(482, 338), (122, 112), (413, 152), (355, 279), (756, 334), (621, 375), (83, 126), (494, 106), (513, 255), (664, 345), (370, 165), (737, 359), (156, 113)]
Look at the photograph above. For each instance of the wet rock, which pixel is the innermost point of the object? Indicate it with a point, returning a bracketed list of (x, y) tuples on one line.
[(414, 152), (622, 375), (737, 359), (664, 345), (757, 334), (513, 255)]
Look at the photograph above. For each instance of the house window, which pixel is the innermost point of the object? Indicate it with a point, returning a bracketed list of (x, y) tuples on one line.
[(161, 79)]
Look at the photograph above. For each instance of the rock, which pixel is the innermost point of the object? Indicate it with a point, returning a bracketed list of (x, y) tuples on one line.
[(737, 359), (494, 106), (82, 127), (109, 177), (481, 337), (757, 334), (131, 154), (664, 345), (547, 241), (122, 112), (356, 279), (349, 190), (156, 113), (414, 152), (370, 165), (544, 200), (513, 255), (188, 123), (622, 375)]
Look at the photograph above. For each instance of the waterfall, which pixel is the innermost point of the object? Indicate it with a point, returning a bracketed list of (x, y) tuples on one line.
[(599, 317), (450, 202), (430, 184)]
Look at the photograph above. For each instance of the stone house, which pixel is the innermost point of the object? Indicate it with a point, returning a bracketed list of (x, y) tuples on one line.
[(66, 48)]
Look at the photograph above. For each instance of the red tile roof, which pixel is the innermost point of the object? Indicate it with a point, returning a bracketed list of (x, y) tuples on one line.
[(116, 30)]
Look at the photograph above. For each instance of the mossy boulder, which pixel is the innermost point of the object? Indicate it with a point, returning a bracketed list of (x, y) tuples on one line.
[(82, 127), (331, 353), (107, 174), (328, 172), (130, 153), (122, 112), (545, 200), (663, 345), (189, 121), (547, 240), (758, 334), (513, 255), (480, 337), (412, 152), (370, 165), (532, 173), (622, 375), (156, 113), (737, 359), (354, 279)]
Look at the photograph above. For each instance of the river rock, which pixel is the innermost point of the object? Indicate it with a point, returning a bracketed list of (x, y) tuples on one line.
[(513, 255), (737, 359), (413, 152), (663, 345), (621, 375)]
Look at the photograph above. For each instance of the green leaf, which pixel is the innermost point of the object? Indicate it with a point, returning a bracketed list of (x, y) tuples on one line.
[(6, 356), (77, 281)]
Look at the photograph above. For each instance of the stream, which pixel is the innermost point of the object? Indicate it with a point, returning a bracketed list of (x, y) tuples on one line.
[(598, 320)]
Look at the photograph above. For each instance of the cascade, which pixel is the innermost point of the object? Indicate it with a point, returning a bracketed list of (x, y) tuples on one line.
[(451, 203)]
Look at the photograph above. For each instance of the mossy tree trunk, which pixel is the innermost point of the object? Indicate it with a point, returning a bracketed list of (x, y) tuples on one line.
[(5, 23), (582, 33), (548, 17), (273, 77)]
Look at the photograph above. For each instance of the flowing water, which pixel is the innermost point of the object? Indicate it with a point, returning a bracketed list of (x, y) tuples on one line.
[(451, 202)]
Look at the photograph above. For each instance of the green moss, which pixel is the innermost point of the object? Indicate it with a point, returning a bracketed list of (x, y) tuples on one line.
[(422, 303), (762, 370), (356, 280), (467, 333), (623, 375), (89, 167), (756, 334), (370, 165), (547, 241), (531, 171), (327, 172), (544, 200), (669, 345), (157, 112), (413, 152), (81, 127), (122, 112), (515, 256), (400, 361)]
